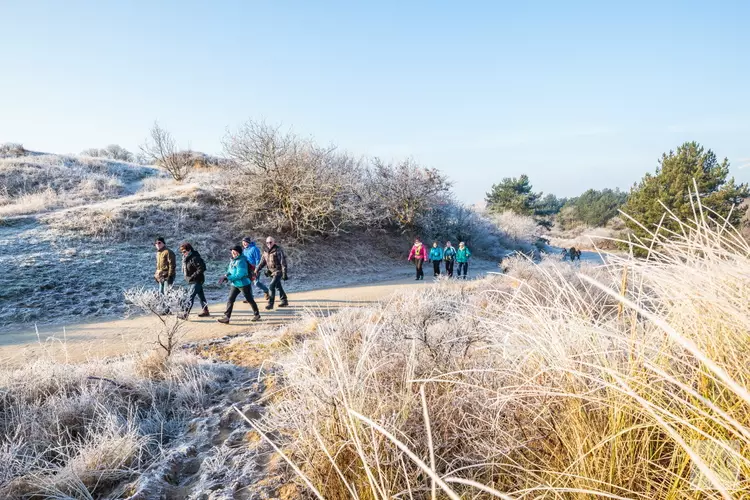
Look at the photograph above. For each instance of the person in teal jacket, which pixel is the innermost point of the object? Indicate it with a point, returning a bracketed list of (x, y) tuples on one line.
[(240, 275), (436, 256), (449, 256), (463, 254)]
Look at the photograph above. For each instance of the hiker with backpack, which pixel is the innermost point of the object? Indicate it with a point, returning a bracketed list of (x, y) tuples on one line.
[(463, 254), (449, 256), (418, 255), (194, 270), (436, 256), (165, 266), (239, 274), (253, 256), (274, 259)]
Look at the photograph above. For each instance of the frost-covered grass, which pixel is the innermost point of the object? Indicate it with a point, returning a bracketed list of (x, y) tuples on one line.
[(36, 182), (517, 229), (627, 380), (81, 431)]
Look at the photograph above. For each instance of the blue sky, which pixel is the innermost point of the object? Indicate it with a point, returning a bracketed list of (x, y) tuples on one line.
[(575, 94)]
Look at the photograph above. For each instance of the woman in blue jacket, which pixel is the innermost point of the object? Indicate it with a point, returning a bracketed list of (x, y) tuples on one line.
[(239, 274), (436, 256)]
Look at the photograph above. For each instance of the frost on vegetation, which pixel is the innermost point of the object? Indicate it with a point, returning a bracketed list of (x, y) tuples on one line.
[(80, 431), (555, 379), (38, 182)]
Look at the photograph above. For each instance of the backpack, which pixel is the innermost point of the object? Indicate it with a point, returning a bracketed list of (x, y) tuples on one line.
[(448, 257)]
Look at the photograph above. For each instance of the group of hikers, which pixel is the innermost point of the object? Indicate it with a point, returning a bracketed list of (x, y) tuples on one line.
[(247, 261), (450, 255), (573, 253), (243, 272)]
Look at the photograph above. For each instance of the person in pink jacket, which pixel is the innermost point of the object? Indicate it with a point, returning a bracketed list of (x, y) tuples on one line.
[(418, 255)]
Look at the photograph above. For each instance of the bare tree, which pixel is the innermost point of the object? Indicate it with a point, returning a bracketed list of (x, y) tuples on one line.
[(161, 149), (168, 308)]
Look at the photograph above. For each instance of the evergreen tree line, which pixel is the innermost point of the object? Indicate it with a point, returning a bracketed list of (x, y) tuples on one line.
[(671, 188)]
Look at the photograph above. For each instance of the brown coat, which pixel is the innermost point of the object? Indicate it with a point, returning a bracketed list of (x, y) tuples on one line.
[(274, 259), (166, 266)]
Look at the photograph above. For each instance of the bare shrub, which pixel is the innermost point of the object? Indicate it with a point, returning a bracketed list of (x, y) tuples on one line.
[(295, 186), (161, 149), (113, 152), (11, 150), (168, 308), (292, 185), (407, 193), (518, 228)]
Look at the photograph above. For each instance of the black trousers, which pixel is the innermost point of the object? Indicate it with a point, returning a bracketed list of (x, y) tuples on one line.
[(196, 290), (436, 267), (418, 264), (463, 266), (247, 291), (449, 268), (276, 285)]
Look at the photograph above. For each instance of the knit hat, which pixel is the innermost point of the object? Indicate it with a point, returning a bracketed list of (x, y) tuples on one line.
[(160, 239), (248, 240), (237, 249)]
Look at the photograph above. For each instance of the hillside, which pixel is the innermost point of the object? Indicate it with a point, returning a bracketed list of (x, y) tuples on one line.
[(76, 231)]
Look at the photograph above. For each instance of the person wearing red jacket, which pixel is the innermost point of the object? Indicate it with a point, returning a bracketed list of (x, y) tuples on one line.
[(418, 255)]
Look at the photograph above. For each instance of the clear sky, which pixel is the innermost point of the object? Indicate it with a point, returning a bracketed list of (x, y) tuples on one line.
[(574, 94)]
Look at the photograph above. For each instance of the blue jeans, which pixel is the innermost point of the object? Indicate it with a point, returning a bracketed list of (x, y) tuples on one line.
[(196, 289), (260, 286), (164, 286)]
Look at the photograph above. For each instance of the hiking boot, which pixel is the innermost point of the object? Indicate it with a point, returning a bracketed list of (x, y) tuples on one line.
[(223, 320), (204, 313), (284, 303), (255, 318), (269, 306)]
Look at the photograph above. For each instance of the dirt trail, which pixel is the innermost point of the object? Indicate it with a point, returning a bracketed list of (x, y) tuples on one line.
[(78, 342)]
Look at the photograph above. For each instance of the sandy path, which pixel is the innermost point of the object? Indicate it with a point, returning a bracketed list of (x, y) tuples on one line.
[(79, 342)]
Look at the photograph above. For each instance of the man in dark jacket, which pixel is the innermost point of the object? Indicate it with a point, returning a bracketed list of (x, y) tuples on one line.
[(165, 265), (275, 260), (194, 269)]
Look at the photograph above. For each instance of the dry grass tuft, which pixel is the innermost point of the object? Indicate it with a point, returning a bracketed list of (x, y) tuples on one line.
[(627, 380), (79, 431)]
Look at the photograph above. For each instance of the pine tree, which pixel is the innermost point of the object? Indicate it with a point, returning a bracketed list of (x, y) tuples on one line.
[(514, 194), (672, 184)]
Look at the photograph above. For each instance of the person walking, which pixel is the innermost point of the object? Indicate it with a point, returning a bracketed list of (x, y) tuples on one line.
[(463, 254), (449, 256), (436, 256), (274, 259), (238, 274), (194, 270), (418, 255), (165, 266), (253, 256)]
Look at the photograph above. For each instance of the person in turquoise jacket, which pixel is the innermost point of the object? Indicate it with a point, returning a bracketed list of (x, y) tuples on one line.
[(436, 256), (449, 256), (240, 275), (463, 254)]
